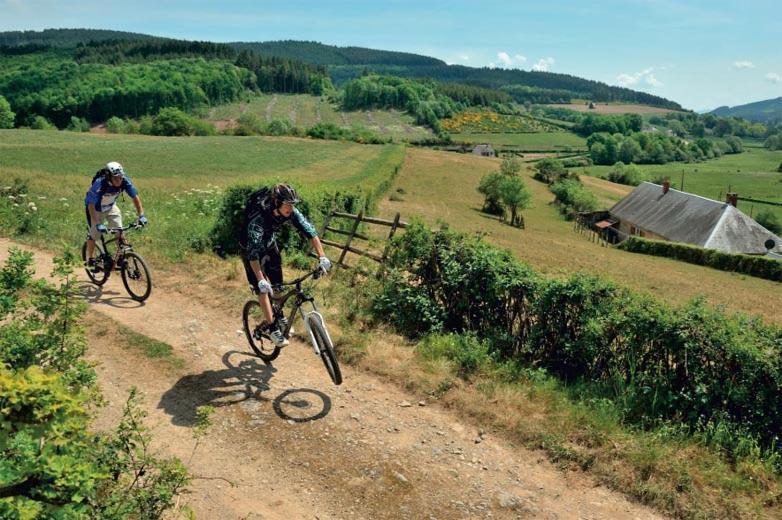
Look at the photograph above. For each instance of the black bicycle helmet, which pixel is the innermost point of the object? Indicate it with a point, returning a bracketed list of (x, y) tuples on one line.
[(285, 194)]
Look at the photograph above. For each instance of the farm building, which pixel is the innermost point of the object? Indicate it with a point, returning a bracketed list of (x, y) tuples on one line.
[(662, 213), (485, 150)]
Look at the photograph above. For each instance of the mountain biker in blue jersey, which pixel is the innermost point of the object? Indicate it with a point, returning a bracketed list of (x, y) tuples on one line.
[(100, 203), (266, 211)]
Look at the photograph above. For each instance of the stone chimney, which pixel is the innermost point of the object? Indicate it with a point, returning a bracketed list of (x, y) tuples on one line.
[(666, 186), (732, 199)]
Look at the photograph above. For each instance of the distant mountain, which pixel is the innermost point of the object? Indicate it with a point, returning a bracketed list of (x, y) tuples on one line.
[(760, 111), (66, 37), (346, 63), (322, 54)]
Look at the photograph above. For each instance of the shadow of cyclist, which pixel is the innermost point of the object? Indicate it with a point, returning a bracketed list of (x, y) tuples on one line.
[(247, 379), (92, 293)]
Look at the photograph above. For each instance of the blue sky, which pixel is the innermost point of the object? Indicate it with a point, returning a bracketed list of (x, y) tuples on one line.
[(702, 54)]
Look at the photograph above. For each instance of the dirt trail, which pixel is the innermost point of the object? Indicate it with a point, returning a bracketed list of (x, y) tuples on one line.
[(295, 446)]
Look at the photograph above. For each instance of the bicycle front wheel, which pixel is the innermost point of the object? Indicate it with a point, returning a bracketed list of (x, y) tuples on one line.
[(136, 277), (101, 270), (254, 320), (326, 348)]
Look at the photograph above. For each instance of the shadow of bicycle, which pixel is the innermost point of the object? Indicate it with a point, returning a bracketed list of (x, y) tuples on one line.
[(238, 382), (244, 378), (92, 293)]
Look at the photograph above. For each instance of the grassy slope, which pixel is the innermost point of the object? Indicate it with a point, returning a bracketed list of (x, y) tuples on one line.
[(180, 179), (439, 185), (305, 110), (751, 174)]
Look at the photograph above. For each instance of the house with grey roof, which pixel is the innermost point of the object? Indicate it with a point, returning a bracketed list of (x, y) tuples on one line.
[(662, 213), (485, 150)]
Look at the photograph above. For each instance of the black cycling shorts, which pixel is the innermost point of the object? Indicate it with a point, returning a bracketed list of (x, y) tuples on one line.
[(271, 267)]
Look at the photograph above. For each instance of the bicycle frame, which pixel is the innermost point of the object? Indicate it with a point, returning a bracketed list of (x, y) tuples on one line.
[(121, 248), (301, 298)]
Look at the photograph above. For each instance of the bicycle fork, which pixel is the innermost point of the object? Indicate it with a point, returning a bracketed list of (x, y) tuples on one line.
[(305, 317)]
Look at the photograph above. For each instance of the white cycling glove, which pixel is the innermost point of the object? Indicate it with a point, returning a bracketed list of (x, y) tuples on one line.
[(264, 287), (324, 263)]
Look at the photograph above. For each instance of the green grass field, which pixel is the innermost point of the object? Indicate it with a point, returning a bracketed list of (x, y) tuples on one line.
[(750, 174), (549, 243), (180, 179), (538, 142), (305, 111)]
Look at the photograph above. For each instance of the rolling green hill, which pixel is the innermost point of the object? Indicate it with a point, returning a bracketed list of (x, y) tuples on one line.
[(345, 63), (761, 111)]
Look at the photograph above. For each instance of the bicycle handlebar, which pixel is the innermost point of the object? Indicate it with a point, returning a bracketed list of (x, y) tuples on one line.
[(135, 225), (317, 273)]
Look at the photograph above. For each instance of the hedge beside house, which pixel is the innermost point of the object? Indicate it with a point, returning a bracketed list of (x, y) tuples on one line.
[(759, 266)]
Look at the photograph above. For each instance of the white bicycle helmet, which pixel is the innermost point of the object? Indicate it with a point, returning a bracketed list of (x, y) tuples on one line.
[(115, 169)]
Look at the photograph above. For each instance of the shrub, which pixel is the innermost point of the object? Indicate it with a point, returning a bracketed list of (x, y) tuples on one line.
[(78, 124), (760, 266), (692, 365), (573, 198), (550, 170), (41, 123), (630, 175), (115, 125), (248, 124), (174, 122)]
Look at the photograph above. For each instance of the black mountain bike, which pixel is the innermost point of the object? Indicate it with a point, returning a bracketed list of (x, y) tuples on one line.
[(132, 268), (255, 325)]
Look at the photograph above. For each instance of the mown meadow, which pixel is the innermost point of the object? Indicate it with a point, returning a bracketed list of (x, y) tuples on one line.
[(181, 180)]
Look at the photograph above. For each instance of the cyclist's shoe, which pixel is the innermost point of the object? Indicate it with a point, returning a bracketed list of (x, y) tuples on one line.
[(93, 266), (277, 338)]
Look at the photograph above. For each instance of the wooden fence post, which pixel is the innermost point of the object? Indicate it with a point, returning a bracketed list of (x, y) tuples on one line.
[(350, 238)]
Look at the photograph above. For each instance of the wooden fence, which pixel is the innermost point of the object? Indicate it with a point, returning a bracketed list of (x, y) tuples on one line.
[(354, 234)]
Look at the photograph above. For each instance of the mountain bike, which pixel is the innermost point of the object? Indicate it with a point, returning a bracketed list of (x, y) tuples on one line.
[(255, 325), (133, 270)]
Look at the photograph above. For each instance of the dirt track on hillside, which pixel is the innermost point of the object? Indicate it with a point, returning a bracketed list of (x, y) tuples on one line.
[(288, 444)]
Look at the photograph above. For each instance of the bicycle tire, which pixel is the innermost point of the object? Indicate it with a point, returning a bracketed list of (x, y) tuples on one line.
[(326, 349), (101, 276), (135, 270), (252, 320)]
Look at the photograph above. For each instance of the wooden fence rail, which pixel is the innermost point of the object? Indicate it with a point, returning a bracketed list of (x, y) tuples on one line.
[(354, 234)]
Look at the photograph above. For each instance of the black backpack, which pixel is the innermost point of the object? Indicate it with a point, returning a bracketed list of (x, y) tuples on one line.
[(252, 208), (100, 174), (255, 203)]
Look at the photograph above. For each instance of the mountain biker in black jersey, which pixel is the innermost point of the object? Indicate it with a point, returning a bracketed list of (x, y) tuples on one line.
[(265, 212)]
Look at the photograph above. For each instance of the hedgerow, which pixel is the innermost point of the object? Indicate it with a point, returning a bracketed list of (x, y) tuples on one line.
[(691, 365)]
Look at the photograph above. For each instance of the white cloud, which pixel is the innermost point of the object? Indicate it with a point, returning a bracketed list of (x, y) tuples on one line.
[(504, 58), (645, 77), (464, 57), (543, 64), (654, 82), (743, 65), (773, 77), (506, 61)]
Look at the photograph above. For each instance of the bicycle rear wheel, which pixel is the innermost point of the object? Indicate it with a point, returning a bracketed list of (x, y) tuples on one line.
[(326, 348), (136, 277), (254, 320), (102, 264)]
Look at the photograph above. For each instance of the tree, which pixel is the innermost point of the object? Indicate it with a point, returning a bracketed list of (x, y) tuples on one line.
[(489, 187), (7, 116), (734, 143), (630, 151), (550, 170), (515, 196)]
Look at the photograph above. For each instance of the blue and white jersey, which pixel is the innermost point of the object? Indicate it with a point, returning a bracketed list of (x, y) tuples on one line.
[(104, 194)]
